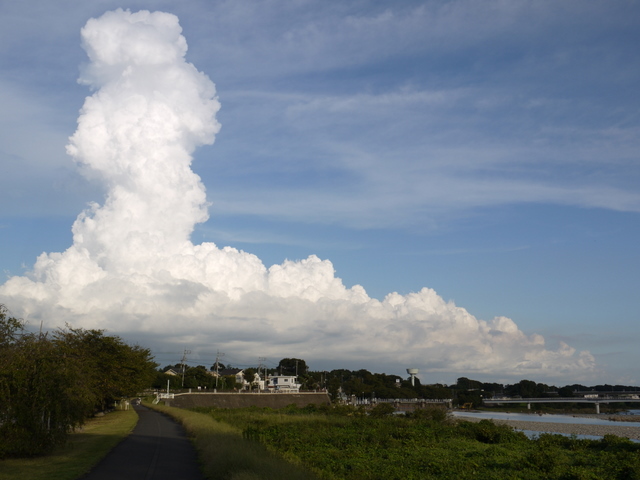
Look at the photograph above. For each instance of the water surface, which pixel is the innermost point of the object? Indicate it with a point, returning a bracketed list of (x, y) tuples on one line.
[(549, 418)]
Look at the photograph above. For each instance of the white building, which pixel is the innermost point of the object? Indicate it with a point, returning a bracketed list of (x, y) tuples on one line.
[(257, 383), (284, 383)]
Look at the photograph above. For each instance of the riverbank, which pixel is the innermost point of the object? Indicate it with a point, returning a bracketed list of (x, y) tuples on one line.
[(568, 428), (611, 417)]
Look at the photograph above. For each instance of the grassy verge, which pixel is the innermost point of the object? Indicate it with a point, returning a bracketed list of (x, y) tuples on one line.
[(226, 455), (83, 450)]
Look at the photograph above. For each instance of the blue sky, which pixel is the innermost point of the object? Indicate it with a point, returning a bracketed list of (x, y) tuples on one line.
[(485, 150)]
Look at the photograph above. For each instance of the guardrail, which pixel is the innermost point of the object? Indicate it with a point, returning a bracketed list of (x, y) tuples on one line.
[(161, 396)]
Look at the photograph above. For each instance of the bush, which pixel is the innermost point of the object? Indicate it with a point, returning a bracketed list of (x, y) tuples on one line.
[(486, 431), (436, 414), (382, 410)]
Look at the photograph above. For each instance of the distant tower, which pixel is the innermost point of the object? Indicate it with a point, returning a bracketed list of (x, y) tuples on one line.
[(413, 372)]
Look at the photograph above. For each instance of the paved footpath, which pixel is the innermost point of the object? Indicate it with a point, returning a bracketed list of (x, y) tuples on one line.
[(156, 449)]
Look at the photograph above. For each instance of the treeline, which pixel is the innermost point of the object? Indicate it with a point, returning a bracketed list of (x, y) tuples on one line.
[(52, 383), (362, 383)]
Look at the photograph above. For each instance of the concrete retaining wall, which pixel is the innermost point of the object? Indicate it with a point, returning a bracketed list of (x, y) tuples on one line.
[(240, 400)]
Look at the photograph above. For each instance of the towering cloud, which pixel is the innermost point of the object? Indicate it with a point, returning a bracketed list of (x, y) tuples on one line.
[(133, 268)]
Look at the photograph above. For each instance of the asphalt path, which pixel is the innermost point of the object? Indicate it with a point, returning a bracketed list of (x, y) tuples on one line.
[(156, 449)]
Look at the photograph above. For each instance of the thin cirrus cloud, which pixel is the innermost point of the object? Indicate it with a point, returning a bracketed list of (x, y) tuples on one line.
[(133, 269), (412, 150)]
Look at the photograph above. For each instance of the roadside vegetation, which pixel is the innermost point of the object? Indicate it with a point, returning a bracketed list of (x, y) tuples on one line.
[(346, 443), (83, 450), (51, 384)]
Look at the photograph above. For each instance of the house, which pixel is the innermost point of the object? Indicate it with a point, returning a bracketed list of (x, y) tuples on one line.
[(236, 372), (257, 383), (284, 383)]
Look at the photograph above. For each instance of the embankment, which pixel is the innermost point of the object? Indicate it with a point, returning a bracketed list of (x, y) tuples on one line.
[(240, 400)]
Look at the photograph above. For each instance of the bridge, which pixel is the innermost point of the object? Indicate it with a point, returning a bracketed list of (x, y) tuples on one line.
[(595, 400)]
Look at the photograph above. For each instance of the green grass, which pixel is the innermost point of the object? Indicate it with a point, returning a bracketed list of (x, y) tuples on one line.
[(226, 455), (84, 449), (349, 446)]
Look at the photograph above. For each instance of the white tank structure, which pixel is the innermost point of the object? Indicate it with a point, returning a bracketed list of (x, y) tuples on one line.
[(413, 372)]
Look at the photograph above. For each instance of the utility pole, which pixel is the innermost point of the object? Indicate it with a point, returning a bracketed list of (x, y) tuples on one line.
[(218, 355), (183, 361), (264, 380)]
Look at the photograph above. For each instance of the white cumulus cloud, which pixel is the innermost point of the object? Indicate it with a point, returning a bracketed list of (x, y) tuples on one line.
[(133, 268)]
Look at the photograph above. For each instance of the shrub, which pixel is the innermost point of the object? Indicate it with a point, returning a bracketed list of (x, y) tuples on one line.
[(436, 414), (382, 410), (486, 431)]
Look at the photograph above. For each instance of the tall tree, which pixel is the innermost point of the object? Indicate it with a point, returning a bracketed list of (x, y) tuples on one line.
[(292, 366)]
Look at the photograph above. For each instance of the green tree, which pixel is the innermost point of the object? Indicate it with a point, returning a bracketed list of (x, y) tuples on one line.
[(565, 392), (524, 388), (198, 377), (464, 383), (113, 369), (292, 366), (10, 327), (469, 396), (42, 392), (435, 391), (160, 380), (382, 410)]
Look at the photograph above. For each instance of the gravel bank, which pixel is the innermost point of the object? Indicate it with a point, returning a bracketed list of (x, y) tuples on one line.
[(569, 428)]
